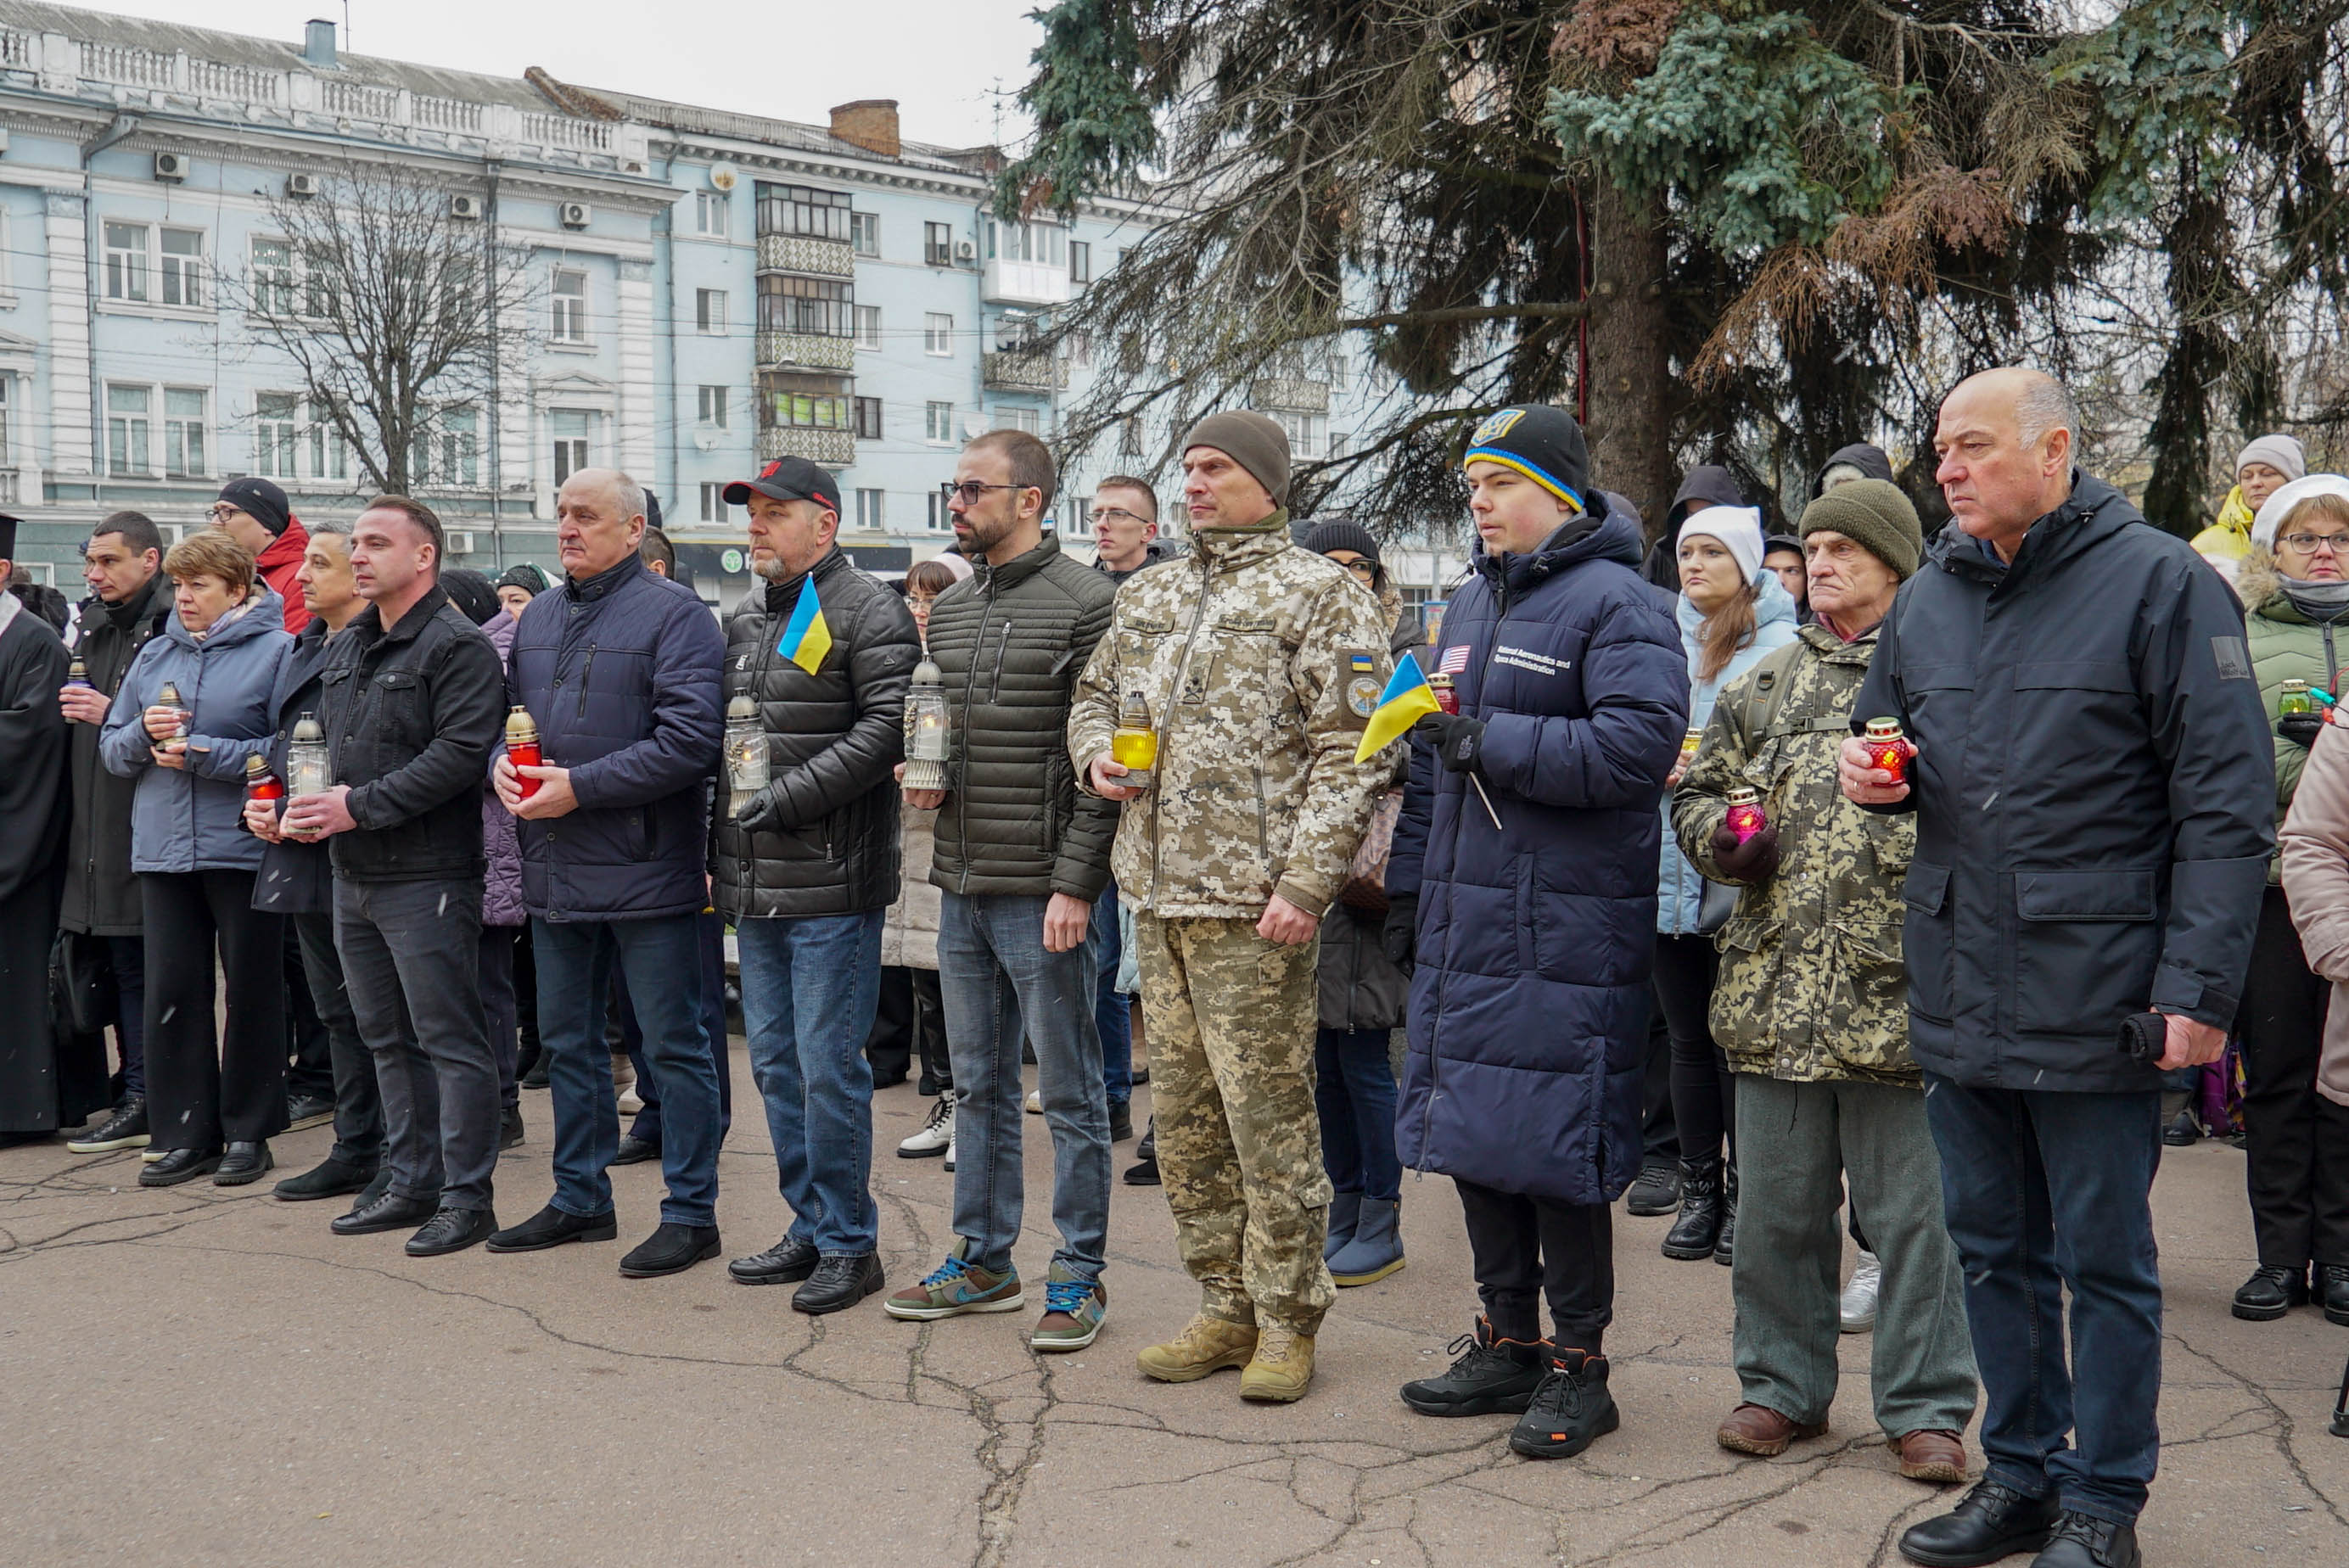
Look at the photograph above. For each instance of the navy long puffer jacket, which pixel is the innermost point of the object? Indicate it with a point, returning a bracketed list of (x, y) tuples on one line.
[(1529, 1005)]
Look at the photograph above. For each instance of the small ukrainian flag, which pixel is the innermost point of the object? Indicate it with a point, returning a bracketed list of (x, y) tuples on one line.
[(1399, 705), (806, 639)]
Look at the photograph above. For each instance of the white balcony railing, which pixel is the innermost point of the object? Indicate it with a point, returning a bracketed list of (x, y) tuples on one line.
[(16, 49), (560, 130), (356, 100), (244, 84), (124, 64), (448, 114)]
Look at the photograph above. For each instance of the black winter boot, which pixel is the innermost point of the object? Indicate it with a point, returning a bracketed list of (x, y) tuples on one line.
[(1698, 1230), (1492, 1375), (1724, 1250)]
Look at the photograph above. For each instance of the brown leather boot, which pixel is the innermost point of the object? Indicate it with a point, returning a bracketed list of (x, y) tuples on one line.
[(1932, 1456), (1759, 1429)]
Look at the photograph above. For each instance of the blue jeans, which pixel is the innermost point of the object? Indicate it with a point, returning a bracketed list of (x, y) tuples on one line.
[(711, 926), (995, 976), (1112, 1016), (660, 957), (809, 988), (1354, 1088), (2044, 1191)]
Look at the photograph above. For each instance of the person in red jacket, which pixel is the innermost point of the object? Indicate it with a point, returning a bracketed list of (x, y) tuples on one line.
[(255, 513)]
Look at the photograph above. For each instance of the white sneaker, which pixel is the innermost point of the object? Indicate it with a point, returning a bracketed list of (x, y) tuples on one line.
[(936, 1136), (1035, 1102), (949, 1153), (1860, 1296)]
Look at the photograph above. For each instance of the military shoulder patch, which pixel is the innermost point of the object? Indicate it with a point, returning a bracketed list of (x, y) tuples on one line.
[(1359, 669)]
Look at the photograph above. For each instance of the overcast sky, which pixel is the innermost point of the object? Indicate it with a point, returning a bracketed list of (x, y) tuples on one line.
[(941, 59)]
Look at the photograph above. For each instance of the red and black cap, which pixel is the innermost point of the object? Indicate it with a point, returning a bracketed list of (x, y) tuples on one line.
[(788, 479)]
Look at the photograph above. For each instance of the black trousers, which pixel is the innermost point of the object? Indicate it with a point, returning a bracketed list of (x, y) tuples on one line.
[(908, 1024), (310, 1073), (1524, 1249), (526, 989), (1660, 1139), (2298, 1140), (359, 1104), (206, 1087), (501, 1012), (1702, 1088)]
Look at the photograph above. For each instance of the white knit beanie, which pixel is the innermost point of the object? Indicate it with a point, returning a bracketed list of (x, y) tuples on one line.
[(1739, 529), (2280, 453), (2277, 507)]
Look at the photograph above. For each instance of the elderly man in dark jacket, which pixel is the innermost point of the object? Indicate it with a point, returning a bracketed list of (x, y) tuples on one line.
[(619, 672), (2095, 794), (808, 863), (1527, 858)]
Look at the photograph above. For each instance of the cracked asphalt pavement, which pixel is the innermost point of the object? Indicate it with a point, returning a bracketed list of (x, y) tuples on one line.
[(201, 1374)]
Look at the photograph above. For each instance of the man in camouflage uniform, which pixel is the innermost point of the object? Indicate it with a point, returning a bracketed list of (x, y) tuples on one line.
[(1811, 1008), (1261, 664)]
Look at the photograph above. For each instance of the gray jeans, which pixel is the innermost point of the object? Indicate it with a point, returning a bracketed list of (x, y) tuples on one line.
[(412, 960), (1795, 1142)]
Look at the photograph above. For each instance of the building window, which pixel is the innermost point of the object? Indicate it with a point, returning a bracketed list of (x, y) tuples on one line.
[(869, 510), (798, 210), (713, 503), (818, 306), (938, 245), (128, 430), (795, 402), (1081, 517), (461, 450), (938, 423), (330, 455), (571, 428), (1081, 262), (1308, 434), (570, 321), (1042, 244), (938, 335), (276, 429), (709, 311), (183, 267), (272, 277), (940, 519), (125, 261), (1009, 416), (1341, 373), (184, 445), (865, 233), (868, 419), (868, 326), (710, 408), (710, 214)]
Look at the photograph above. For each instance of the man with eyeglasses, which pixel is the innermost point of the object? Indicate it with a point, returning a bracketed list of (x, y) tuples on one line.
[(1126, 528), (255, 513)]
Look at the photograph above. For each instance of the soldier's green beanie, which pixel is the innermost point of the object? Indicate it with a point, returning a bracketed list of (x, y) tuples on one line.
[(1874, 514), (1251, 441)]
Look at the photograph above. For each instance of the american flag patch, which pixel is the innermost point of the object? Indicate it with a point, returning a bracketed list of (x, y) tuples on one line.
[(1454, 660)]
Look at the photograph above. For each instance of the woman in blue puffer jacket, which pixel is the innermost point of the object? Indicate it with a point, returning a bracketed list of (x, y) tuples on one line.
[(1732, 610), (211, 1107)]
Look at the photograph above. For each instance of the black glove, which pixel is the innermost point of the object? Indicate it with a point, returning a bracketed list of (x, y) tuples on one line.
[(1402, 929), (1755, 861), (2300, 728), (761, 813), (1456, 737)]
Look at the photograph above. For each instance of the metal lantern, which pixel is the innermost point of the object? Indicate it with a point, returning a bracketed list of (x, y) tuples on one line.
[(305, 758), (926, 729), (746, 753)]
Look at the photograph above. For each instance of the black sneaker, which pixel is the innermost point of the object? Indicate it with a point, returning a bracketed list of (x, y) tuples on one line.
[(2085, 1541), (1569, 1411), (786, 1263), (1492, 1376), (1991, 1522), (305, 1111), (838, 1283), (125, 1128), (2271, 1291), (1657, 1192)]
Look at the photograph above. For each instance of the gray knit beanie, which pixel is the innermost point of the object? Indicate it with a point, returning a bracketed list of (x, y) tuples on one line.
[(1251, 441), (1873, 513)]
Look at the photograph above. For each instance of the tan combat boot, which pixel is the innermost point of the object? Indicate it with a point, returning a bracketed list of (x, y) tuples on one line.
[(1282, 1367), (1207, 1345)]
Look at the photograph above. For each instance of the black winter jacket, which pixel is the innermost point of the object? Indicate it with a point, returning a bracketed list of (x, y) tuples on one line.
[(621, 674), (1011, 642), (834, 739), (102, 898), (2094, 793), (412, 716), (296, 878)]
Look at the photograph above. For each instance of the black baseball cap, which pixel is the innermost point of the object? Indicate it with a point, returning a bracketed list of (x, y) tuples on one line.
[(788, 479)]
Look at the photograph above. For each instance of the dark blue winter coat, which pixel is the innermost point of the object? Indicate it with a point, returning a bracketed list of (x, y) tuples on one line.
[(621, 674), (1529, 1005)]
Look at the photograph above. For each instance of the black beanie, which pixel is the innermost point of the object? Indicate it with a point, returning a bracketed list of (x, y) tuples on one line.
[(470, 592), (260, 501), (1324, 537), (525, 576), (1542, 443)]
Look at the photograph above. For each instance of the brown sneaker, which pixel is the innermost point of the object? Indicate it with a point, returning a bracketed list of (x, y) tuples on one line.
[(1932, 1456), (1207, 1345), (1281, 1368), (1759, 1429)]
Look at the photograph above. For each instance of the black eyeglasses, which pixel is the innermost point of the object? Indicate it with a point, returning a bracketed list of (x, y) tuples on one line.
[(971, 490), (2309, 544), (1117, 514)]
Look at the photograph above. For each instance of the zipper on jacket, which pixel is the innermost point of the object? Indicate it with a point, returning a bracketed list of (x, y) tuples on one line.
[(584, 671), (1167, 730), (962, 796), (2332, 668)]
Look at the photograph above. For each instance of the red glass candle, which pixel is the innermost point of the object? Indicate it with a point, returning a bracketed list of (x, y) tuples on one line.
[(260, 783), (1446, 696), (522, 748), (1746, 816), (1887, 748)]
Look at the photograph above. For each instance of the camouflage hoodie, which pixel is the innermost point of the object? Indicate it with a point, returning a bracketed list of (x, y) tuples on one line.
[(1255, 656), (1812, 985)]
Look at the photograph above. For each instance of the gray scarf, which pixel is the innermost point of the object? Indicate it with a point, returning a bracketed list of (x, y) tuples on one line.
[(2317, 601)]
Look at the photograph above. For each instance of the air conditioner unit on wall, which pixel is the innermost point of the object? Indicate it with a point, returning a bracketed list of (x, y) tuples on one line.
[(301, 185), (460, 541), (464, 206), (171, 166), (575, 214), (965, 251)]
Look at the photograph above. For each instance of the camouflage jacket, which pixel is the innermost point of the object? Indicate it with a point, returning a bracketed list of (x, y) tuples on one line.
[(1262, 663), (1812, 985)]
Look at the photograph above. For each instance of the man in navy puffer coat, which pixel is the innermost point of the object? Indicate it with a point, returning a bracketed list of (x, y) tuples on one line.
[(1529, 1008)]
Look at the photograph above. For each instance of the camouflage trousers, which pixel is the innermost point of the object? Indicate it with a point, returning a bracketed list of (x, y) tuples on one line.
[(1231, 1019)]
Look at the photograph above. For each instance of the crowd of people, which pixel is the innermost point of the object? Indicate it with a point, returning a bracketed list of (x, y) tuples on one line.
[(1839, 881)]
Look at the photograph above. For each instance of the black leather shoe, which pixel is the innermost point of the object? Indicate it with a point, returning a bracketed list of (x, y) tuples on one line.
[(1724, 1249), (838, 1283), (509, 1127), (1697, 1232), (635, 1150), (671, 1249), (1657, 1192), (378, 1185), (2084, 1540), (551, 1227), (535, 1077), (331, 1178), (243, 1164), (451, 1231), (1991, 1522), (2271, 1291), (2333, 1291), (2182, 1131), (1121, 1120), (388, 1213), (177, 1166), (786, 1263)]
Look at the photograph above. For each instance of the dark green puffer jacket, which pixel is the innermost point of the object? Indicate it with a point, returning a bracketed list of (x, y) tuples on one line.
[(1010, 644)]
